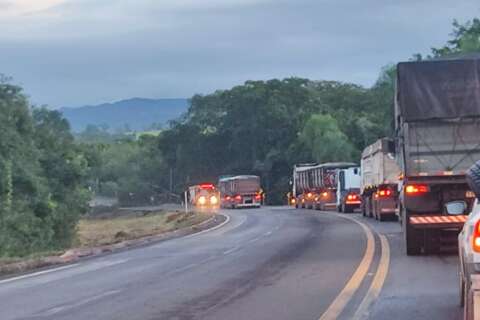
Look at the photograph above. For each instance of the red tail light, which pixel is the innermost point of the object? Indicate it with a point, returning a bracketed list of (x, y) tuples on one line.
[(352, 197), (384, 193), (228, 198), (416, 189), (258, 197), (476, 237), (238, 197)]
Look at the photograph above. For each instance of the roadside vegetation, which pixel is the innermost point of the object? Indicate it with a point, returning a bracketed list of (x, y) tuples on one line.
[(96, 232), (261, 127)]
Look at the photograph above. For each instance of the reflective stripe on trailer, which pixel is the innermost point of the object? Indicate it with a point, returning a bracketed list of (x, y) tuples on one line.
[(437, 219)]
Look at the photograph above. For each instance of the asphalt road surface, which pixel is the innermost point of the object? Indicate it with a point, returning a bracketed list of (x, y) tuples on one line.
[(269, 263)]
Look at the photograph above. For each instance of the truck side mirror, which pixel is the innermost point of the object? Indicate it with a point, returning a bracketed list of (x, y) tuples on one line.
[(473, 178)]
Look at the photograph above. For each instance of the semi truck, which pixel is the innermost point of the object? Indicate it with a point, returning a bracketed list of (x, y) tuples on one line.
[(348, 189), (240, 191), (204, 195), (315, 185), (302, 188), (380, 176), (437, 124)]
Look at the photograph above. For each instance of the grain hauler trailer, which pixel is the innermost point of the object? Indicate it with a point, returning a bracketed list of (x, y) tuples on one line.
[(380, 176), (437, 120), (301, 186), (240, 191), (315, 186)]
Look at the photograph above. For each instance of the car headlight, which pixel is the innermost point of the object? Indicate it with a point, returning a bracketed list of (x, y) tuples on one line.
[(213, 200), (202, 200)]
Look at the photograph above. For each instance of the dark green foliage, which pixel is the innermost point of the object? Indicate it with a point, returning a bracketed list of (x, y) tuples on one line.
[(131, 170), (264, 127), (41, 175)]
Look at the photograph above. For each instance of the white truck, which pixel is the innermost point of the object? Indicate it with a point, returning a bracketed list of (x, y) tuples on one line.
[(380, 177), (348, 189)]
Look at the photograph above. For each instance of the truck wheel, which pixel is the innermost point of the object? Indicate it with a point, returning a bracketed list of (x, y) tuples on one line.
[(370, 208), (410, 235), (468, 304), (461, 291), (411, 242)]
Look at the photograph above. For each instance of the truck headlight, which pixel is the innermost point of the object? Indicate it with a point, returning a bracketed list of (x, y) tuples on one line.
[(202, 200), (213, 200)]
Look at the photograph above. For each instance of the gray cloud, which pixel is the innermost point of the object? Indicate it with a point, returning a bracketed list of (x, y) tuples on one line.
[(87, 51)]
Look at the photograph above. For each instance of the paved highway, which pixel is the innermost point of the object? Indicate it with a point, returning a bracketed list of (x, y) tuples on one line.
[(269, 263)]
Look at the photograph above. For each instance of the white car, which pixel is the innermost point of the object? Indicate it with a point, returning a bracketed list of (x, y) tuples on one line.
[(469, 270)]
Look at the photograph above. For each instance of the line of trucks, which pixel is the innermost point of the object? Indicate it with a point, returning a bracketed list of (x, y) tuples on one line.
[(418, 175), (241, 191)]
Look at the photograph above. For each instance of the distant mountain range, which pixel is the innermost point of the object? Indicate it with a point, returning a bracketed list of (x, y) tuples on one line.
[(136, 114)]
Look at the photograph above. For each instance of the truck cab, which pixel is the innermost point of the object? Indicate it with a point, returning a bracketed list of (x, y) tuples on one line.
[(348, 189)]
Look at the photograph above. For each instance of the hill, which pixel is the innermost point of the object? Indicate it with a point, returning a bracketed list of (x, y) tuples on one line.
[(136, 113)]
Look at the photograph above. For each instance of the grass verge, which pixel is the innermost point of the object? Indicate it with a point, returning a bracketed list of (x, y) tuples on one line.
[(98, 232)]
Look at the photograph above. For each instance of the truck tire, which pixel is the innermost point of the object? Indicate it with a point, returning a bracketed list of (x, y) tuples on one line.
[(411, 237), (468, 303), (368, 206), (462, 291)]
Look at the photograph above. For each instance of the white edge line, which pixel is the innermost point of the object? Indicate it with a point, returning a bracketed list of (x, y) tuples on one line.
[(211, 229), (30, 275)]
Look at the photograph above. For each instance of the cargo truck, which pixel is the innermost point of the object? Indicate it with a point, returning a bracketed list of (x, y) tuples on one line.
[(240, 191), (380, 174), (315, 185), (348, 189), (437, 124), (204, 195)]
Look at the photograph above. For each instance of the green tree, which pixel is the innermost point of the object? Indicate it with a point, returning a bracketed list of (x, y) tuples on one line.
[(41, 177), (465, 39), (327, 142)]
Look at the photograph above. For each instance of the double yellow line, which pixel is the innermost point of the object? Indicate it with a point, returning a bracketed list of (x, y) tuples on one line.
[(342, 299)]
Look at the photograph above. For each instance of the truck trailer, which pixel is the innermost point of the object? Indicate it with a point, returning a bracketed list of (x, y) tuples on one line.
[(437, 124), (380, 176), (315, 185), (240, 191)]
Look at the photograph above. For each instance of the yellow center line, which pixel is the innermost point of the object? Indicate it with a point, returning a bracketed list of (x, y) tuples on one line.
[(377, 283), (337, 306)]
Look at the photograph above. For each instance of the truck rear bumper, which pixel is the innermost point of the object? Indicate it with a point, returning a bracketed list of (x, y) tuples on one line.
[(247, 205), (437, 221)]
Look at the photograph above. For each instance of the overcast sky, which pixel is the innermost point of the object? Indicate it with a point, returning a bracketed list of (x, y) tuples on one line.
[(77, 52)]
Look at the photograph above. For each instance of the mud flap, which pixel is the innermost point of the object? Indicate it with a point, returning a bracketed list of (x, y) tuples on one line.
[(472, 303)]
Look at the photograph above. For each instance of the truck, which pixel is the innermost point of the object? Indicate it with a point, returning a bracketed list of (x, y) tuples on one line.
[(437, 125), (348, 189), (315, 185), (240, 191), (380, 177), (302, 195), (204, 195)]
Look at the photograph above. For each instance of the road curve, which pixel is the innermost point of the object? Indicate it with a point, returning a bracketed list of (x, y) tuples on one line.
[(269, 263)]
